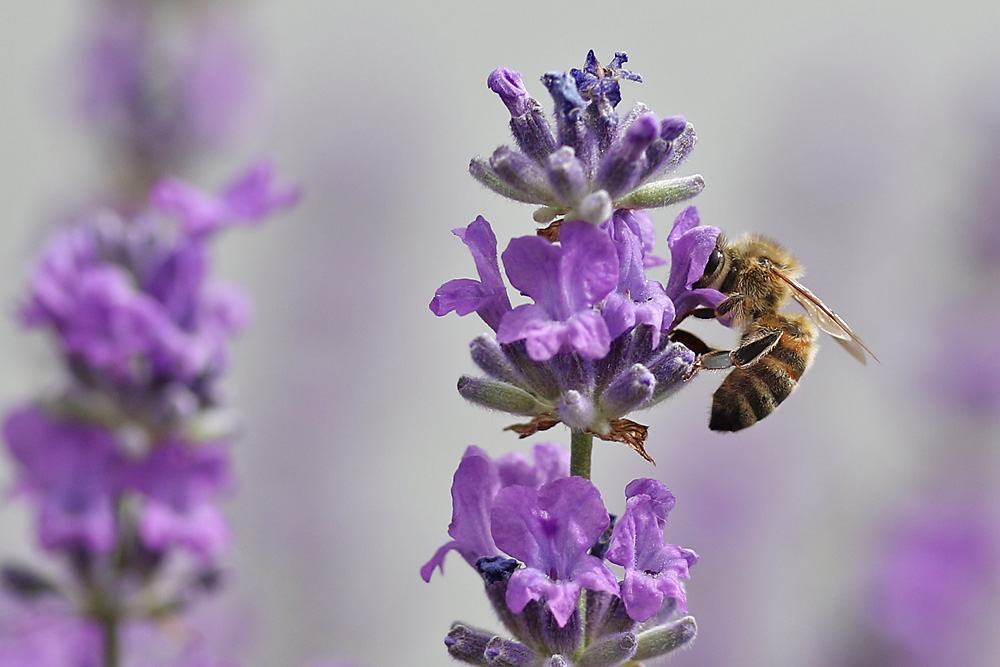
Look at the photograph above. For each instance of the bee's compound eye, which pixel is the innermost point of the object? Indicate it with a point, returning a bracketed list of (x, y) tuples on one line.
[(714, 262)]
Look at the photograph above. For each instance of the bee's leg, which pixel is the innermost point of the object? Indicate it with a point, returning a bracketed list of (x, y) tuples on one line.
[(732, 305), (690, 341), (747, 354), (714, 360), (753, 350)]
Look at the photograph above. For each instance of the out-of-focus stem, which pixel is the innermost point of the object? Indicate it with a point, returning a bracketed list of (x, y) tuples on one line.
[(109, 638)]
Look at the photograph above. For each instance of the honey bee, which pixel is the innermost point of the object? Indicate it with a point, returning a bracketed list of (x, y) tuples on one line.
[(758, 276)]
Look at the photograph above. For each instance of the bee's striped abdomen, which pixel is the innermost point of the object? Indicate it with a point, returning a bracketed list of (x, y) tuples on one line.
[(751, 393)]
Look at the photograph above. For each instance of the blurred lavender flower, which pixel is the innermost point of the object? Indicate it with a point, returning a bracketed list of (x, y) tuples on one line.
[(133, 309), (163, 90), (125, 466), (50, 633), (533, 534), (591, 162)]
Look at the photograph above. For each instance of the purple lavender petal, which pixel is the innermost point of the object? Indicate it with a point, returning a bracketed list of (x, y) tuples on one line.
[(566, 281), (248, 199), (180, 483), (637, 300), (487, 296), (508, 85), (73, 472), (690, 247), (550, 462), (652, 568), (550, 530), (473, 488)]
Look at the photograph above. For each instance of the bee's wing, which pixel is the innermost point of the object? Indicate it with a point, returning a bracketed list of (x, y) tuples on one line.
[(828, 320)]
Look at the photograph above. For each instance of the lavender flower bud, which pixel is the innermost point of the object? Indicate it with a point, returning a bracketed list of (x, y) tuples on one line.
[(528, 123), (25, 583), (508, 85), (606, 615), (467, 645), (663, 193), (481, 170), (520, 173), (489, 356), (569, 102), (620, 169), (611, 652), (509, 653), (499, 396), (628, 391), (669, 369), (664, 639), (566, 177), (673, 127)]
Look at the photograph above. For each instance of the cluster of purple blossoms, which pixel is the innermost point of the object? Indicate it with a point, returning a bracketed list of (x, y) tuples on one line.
[(594, 345), (125, 464), (591, 346), (539, 537)]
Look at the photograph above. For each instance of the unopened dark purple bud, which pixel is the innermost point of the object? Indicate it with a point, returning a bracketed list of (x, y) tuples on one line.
[(509, 653), (508, 85), (620, 169), (671, 128), (489, 356), (601, 546), (497, 395), (628, 392), (24, 583), (562, 87), (610, 652), (665, 638), (533, 133), (567, 177), (522, 175), (496, 569), (467, 644)]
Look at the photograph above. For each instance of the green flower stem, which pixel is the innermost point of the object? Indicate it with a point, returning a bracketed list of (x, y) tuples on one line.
[(581, 446), (109, 637)]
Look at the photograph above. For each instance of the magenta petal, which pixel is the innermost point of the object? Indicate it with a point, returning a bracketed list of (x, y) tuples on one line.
[(641, 596), (589, 268), (486, 296), (551, 530)]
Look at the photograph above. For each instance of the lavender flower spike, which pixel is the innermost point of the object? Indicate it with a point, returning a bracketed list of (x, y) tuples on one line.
[(593, 162)]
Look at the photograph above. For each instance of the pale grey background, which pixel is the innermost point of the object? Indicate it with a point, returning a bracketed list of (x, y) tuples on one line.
[(851, 131)]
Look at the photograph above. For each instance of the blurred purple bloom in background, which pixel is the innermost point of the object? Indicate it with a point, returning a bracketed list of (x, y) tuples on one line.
[(161, 98)]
